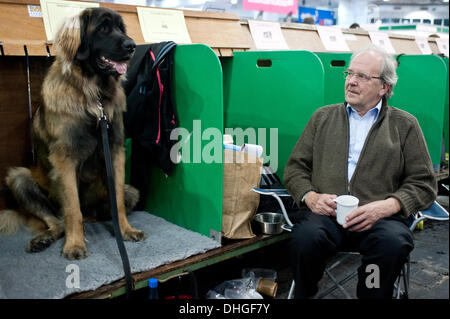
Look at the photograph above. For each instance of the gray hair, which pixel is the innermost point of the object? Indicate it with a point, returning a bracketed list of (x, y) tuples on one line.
[(388, 73)]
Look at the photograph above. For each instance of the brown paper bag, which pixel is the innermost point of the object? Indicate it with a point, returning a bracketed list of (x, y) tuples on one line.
[(241, 172)]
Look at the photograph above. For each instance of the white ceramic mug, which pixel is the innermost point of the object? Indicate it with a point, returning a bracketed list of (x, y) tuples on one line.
[(345, 205)]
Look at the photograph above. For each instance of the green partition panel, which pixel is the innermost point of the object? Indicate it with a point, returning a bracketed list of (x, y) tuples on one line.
[(276, 90), (191, 196), (334, 64), (446, 108), (421, 90)]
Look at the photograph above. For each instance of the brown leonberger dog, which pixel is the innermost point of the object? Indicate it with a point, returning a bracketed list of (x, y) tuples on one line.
[(92, 53)]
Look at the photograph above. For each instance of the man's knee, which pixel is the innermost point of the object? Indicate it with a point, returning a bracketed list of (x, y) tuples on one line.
[(398, 245), (313, 237), (393, 240), (307, 238)]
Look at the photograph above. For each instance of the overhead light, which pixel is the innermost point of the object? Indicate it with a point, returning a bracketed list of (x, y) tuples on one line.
[(444, 0), (385, 0)]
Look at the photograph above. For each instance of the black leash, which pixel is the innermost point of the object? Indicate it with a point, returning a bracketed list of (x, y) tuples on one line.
[(113, 202)]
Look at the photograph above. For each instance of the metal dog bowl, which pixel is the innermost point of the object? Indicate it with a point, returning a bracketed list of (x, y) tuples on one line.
[(269, 223)]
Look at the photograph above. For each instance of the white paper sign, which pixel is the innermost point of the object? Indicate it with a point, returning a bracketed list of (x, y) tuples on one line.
[(350, 37), (55, 12), (34, 11), (332, 38), (381, 39), (423, 45), (267, 35), (442, 45), (158, 25)]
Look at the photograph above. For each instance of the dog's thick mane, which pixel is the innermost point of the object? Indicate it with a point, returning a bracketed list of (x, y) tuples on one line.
[(67, 41), (66, 79)]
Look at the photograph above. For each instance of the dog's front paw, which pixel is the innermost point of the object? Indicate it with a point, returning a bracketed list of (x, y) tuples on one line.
[(74, 252), (133, 234)]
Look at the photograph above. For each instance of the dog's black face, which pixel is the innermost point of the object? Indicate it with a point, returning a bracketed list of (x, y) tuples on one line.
[(105, 46)]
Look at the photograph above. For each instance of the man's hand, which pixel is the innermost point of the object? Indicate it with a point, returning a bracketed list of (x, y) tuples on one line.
[(365, 216), (321, 204)]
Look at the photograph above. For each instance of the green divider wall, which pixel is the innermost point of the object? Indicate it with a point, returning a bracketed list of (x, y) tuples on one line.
[(420, 90), (191, 196), (334, 64), (279, 95), (446, 108)]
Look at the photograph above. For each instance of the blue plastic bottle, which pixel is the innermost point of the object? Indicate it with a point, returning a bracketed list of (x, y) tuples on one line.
[(153, 288)]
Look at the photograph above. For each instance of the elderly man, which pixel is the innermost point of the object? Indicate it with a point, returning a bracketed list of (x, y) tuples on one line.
[(370, 150)]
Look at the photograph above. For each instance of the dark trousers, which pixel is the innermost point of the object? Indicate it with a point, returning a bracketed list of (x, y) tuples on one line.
[(316, 238)]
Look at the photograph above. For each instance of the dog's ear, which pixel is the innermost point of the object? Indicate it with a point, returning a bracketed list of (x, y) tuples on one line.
[(83, 50), (67, 41)]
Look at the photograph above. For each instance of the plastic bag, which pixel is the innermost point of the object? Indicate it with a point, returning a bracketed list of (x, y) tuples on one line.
[(268, 274), (244, 288), (247, 286)]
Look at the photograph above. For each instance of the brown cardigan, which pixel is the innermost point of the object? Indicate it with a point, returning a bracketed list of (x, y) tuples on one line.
[(394, 161)]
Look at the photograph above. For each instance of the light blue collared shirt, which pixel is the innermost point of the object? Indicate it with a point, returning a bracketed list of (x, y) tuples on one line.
[(359, 128)]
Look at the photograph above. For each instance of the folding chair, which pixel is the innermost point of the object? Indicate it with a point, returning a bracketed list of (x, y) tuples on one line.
[(401, 286)]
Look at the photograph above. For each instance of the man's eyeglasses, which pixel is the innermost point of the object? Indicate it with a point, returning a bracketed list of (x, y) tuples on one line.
[(359, 76)]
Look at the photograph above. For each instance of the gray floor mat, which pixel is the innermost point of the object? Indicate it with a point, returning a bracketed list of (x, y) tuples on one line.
[(48, 275)]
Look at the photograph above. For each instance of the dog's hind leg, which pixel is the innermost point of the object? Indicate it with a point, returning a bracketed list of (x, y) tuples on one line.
[(33, 201), (95, 202), (131, 197)]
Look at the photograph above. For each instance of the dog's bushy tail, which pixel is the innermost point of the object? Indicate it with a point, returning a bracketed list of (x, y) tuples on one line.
[(11, 221), (24, 189)]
